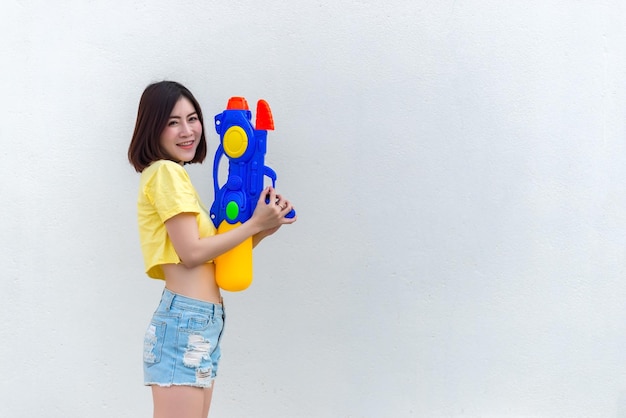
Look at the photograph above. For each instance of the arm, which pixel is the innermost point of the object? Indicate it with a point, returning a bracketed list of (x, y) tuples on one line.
[(257, 238), (194, 250)]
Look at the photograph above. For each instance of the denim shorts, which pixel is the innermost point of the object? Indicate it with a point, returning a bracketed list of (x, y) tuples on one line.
[(182, 342)]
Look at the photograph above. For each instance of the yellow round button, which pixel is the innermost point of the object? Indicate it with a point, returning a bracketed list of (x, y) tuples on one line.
[(235, 142)]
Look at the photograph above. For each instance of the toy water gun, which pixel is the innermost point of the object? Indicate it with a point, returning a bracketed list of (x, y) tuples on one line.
[(244, 145)]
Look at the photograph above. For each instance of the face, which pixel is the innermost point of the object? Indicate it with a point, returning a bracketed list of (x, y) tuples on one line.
[(182, 132)]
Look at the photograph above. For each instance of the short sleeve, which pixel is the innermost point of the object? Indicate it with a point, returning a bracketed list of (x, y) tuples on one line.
[(171, 192)]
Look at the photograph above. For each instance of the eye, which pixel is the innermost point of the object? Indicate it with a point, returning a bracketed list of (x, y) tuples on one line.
[(193, 118), (172, 122)]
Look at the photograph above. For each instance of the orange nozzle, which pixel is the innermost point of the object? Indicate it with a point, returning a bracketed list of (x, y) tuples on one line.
[(264, 120), (237, 103)]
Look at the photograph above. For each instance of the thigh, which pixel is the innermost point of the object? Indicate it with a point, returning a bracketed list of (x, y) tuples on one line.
[(181, 401), (208, 395)]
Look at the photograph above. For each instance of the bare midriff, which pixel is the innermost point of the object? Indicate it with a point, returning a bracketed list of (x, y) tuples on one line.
[(196, 282)]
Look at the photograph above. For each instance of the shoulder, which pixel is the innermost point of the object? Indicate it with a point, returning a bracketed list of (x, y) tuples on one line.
[(164, 166), (165, 177), (164, 169)]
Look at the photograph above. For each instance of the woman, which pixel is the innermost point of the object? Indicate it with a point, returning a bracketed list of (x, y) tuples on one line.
[(178, 241)]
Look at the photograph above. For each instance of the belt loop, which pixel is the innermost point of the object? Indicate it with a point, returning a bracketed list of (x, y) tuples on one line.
[(168, 298)]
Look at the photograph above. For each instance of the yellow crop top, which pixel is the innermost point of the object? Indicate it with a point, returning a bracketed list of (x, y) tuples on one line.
[(165, 190)]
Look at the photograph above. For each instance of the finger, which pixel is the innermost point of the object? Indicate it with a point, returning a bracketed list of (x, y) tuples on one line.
[(265, 196), (285, 205), (272, 194)]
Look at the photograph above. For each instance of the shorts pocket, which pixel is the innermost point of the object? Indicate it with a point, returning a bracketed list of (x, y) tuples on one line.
[(198, 323), (153, 342)]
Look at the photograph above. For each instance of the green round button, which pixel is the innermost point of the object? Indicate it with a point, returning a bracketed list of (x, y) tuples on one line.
[(232, 210)]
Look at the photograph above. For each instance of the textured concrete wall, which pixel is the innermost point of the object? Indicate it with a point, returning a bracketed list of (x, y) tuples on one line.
[(458, 169)]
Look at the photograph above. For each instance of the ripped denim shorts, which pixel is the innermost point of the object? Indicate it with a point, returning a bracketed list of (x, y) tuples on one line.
[(182, 343)]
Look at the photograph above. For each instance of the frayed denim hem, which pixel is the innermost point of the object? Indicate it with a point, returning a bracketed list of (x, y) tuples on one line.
[(207, 385)]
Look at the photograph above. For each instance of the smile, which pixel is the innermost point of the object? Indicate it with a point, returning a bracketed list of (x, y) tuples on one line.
[(186, 144)]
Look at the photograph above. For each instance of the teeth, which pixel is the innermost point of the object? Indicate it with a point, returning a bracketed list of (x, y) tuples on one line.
[(186, 143)]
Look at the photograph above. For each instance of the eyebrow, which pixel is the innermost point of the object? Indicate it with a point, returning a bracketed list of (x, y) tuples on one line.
[(178, 117)]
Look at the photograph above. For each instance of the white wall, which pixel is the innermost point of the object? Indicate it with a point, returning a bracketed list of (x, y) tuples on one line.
[(458, 169)]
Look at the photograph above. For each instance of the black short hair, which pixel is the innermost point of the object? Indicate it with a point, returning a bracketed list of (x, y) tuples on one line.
[(155, 108)]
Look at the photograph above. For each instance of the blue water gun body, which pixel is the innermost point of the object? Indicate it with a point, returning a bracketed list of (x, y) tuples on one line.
[(245, 146)]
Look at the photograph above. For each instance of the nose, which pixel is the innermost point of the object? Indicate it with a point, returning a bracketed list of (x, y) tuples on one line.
[(185, 129)]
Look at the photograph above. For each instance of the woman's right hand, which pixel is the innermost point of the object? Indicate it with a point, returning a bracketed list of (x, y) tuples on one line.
[(271, 209)]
